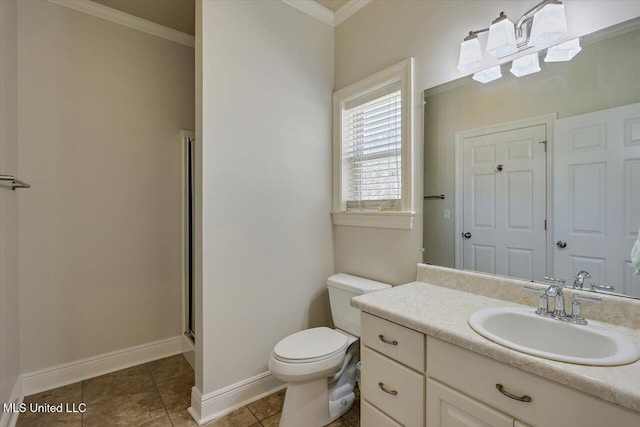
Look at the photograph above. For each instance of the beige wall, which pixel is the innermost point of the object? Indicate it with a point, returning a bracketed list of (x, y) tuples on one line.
[(9, 291), (602, 76), (267, 77), (100, 111), (383, 33)]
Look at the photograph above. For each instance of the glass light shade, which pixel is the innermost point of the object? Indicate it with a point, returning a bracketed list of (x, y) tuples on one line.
[(549, 23), (488, 75), (563, 52), (470, 56), (526, 65), (502, 38)]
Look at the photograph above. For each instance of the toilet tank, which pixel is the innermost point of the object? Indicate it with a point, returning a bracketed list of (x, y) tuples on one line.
[(343, 287)]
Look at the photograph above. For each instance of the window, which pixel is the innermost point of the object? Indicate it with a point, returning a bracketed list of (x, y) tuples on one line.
[(372, 150)]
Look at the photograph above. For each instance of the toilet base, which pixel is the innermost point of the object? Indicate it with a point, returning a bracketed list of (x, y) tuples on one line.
[(305, 404)]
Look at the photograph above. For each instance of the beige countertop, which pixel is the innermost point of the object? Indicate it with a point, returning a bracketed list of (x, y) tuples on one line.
[(442, 313)]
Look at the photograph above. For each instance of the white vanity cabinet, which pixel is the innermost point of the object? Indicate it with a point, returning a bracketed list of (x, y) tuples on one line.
[(550, 404), (448, 386), (392, 377)]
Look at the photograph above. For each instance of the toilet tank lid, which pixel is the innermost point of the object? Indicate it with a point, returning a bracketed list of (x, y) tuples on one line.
[(358, 285)]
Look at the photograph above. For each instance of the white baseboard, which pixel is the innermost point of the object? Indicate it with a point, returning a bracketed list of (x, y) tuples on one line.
[(9, 419), (187, 344), (219, 403), (68, 373)]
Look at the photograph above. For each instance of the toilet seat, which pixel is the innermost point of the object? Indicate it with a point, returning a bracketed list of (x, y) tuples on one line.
[(311, 345)]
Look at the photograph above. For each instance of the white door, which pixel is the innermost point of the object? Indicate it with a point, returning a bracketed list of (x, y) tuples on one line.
[(597, 196), (504, 212), (448, 408)]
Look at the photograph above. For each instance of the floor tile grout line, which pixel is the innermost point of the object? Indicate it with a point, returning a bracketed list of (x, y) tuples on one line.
[(253, 413), (161, 399)]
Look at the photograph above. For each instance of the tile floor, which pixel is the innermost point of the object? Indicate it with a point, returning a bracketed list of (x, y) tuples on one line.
[(156, 394)]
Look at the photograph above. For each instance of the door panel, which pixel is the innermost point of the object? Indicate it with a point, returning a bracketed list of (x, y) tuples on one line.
[(520, 200), (504, 185), (597, 195), (484, 201)]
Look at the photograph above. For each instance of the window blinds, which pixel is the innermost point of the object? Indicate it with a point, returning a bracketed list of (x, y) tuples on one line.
[(371, 151)]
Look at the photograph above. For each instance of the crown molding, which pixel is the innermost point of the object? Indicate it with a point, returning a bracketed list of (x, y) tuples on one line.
[(323, 14), (345, 12), (312, 8), (104, 12)]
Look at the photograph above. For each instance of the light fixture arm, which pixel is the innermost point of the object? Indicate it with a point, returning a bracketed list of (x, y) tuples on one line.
[(474, 34)]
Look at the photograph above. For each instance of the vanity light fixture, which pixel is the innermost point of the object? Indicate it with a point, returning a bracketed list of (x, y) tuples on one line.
[(470, 54), (501, 40), (563, 52), (549, 24), (488, 75), (525, 65), (539, 26)]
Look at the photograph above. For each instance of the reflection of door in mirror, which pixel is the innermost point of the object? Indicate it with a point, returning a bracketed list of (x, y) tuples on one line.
[(504, 201), (598, 217), (597, 195)]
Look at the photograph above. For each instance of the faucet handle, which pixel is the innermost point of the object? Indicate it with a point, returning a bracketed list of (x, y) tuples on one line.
[(576, 309), (543, 304), (555, 281)]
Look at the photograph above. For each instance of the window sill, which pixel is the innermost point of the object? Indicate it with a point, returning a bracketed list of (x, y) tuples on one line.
[(375, 219)]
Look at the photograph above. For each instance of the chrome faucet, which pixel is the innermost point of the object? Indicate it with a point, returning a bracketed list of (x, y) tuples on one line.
[(555, 291), (578, 281)]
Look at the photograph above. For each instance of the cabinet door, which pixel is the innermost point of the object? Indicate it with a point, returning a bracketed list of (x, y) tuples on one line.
[(449, 408)]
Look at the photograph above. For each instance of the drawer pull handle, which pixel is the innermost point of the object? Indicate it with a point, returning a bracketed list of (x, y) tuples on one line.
[(386, 390), (386, 341), (511, 395)]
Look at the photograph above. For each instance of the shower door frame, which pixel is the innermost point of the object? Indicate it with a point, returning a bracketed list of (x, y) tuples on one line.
[(189, 153)]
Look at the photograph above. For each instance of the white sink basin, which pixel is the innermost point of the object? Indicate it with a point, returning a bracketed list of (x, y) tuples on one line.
[(522, 330)]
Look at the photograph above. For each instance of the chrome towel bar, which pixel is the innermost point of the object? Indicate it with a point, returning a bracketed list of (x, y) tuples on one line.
[(15, 183)]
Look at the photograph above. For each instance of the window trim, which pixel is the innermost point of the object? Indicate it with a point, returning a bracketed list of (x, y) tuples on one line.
[(401, 72)]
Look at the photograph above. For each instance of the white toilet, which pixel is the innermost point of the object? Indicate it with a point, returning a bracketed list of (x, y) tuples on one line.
[(320, 364)]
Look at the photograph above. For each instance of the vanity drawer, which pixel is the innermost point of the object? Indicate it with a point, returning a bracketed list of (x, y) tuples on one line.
[(403, 399), (399, 343), (372, 416), (551, 404)]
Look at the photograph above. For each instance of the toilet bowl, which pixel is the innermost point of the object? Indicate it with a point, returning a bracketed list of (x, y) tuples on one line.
[(320, 364)]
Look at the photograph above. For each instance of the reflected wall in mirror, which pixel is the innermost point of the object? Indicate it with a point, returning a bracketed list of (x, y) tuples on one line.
[(541, 173)]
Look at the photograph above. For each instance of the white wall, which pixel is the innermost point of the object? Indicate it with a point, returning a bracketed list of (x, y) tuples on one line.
[(267, 77), (100, 111), (9, 292), (385, 32)]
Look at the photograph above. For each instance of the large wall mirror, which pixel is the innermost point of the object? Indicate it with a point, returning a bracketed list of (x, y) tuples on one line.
[(540, 174)]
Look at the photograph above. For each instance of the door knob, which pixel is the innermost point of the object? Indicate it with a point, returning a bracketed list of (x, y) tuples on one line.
[(466, 235), (561, 244)]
